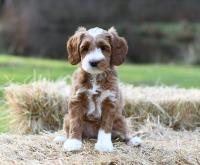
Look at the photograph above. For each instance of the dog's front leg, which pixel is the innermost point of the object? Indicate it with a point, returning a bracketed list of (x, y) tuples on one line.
[(104, 142), (77, 108)]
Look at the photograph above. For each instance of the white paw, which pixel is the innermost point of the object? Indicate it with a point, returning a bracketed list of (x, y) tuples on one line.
[(72, 145), (135, 141), (104, 143), (59, 139), (104, 147)]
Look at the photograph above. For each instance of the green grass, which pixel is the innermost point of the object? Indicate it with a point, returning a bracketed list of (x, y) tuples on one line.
[(22, 70), (19, 69), (4, 118), (171, 75)]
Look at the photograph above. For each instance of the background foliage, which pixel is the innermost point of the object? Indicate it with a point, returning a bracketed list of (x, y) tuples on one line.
[(157, 31)]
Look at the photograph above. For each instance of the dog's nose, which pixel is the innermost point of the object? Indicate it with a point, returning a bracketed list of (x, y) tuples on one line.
[(94, 63)]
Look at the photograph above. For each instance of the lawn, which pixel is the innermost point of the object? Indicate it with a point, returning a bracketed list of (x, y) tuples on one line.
[(22, 70)]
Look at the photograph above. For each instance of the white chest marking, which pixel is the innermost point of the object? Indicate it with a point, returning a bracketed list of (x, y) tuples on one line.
[(95, 87), (93, 91), (96, 110)]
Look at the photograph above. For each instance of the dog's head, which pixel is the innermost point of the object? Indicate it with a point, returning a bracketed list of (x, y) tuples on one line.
[(96, 49)]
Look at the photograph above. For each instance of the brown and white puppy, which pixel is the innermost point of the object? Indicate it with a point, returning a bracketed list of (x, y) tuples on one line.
[(96, 105)]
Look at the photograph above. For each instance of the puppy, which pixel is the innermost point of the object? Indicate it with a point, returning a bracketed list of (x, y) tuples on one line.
[(95, 106)]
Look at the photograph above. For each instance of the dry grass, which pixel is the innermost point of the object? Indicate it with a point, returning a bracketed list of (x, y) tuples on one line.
[(175, 107), (161, 146), (37, 106), (40, 105)]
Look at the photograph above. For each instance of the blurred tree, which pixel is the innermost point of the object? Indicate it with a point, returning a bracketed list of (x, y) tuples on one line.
[(2, 2), (41, 27)]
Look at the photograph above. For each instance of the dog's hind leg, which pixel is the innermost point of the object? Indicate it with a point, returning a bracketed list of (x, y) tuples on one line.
[(120, 130)]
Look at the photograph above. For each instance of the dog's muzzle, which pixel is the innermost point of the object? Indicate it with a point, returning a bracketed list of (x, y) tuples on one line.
[(94, 63)]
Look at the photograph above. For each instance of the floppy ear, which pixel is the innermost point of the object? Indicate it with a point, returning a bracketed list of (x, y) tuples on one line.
[(119, 47), (73, 46)]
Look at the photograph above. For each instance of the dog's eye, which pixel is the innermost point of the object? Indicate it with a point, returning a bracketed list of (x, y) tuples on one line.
[(104, 47), (85, 48)]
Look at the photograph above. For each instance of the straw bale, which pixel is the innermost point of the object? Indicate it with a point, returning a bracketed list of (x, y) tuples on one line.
[(41, 105)]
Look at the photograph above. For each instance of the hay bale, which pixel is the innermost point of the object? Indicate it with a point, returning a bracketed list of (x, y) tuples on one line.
[(177, 108), (41, 105), (37, 106), (161, 146)]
